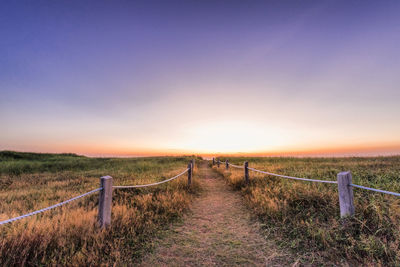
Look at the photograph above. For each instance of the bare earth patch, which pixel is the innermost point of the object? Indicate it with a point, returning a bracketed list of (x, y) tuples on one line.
[(219, 231)]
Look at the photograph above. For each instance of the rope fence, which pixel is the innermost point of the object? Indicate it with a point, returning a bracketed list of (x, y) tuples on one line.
[(294, 178), (105, 198), (49, 208), (146, 185), (344, 182), (235, 166), (376, 190)]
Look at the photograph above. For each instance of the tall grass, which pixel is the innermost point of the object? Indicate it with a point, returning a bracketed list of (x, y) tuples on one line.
[(304, 216), (69, 235)]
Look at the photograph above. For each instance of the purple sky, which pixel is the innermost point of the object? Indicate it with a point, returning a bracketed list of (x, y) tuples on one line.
[(130, 77)]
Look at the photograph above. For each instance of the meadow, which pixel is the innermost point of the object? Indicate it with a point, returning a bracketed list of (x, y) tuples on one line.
[(69, 235), (304, 217)]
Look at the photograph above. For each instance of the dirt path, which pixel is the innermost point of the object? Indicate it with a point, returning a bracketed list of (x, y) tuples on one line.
[(219, 231)]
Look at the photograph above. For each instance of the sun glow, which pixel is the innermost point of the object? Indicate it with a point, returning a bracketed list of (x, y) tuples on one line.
[(231, 137)]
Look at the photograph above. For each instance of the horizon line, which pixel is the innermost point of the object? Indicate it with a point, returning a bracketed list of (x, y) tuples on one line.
[(324, 153)]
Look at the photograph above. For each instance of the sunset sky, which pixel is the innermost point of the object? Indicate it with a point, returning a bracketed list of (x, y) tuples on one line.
[(174, 77)]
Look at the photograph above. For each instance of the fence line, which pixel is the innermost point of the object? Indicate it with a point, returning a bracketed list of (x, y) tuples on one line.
[(105, 201), (146, 185), (49, 208), (295, 178), (344, 182), (235, 166), (376, 190)]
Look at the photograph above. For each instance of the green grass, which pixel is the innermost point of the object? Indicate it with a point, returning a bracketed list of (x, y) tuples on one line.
[(304, 216), (69, 235)]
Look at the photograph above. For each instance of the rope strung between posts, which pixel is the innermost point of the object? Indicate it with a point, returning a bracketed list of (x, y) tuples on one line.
[(146, 185), (49, 208), (330, 182), (376, 190), (295, 178), (236, 166)]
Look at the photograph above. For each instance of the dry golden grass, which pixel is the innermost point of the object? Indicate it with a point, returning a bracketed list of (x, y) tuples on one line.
[(304, 216), (69, 235)]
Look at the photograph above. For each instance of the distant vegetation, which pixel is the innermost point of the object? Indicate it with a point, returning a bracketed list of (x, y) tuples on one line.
[(69, 235), (305, 217), (16, 163)]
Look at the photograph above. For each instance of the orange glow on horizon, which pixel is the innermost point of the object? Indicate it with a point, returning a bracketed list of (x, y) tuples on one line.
[(221, 137), (349, 150)]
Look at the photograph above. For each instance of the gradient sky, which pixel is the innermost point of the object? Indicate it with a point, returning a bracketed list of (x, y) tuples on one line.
[(166, 77)]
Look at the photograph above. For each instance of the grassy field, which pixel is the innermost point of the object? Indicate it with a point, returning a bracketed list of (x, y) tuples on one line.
[(304, 216), (69, 235)]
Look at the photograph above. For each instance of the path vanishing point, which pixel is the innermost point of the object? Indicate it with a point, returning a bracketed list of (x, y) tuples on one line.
[(219, 231)]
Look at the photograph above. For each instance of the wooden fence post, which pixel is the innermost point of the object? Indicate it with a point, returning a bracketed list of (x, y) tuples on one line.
[(105, 201), (189, 174), (246, 172), (213, 161), (218, 162), (227, 164), (346, 198)]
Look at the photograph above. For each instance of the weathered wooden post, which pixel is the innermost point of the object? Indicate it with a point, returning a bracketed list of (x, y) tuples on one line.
[(346, 198), (227, 164), (190, 173), (213, 161), (246, 172), (105, 201), (218, 162)]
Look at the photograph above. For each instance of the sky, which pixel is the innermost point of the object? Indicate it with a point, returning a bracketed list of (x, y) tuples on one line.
[(205, 77)]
